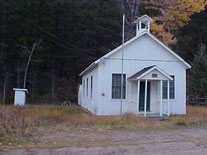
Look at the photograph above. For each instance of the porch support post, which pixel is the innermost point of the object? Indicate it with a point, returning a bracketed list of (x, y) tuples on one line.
[(161, 98), (168, 98), (145, 99), (138, 92), (148, 24)]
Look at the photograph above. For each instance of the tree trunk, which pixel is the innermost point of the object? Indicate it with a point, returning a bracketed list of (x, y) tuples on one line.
[(28, 3), (5, 88), (53, 60), (33, 87), (3, 32), (2, 50), (18, 75), (18, 78), (26, 70), (29, 60), (53, 80)]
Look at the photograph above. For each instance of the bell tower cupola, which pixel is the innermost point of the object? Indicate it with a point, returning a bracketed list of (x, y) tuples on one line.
[(143, 24)]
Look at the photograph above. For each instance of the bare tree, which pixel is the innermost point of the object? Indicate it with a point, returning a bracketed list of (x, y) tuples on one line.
[(131, 13), (34, 47)]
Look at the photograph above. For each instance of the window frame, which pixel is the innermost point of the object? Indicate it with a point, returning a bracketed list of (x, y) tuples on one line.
[(124, 90), (165, 89), (172, 98)]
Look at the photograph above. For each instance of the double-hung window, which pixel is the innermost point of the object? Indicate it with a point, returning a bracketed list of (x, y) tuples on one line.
[(116, 86), (172, 89), (164, 90)]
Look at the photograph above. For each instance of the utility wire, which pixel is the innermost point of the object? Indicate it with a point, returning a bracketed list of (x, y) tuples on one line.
[(56, 56), (66, 45), (151, 60), (82, 51), (126, 59), (62, 43)]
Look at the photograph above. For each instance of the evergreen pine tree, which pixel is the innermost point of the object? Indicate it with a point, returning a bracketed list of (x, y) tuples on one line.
[(198, 73)]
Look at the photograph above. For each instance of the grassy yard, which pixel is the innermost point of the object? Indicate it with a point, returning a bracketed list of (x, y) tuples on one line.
[(21, 126)]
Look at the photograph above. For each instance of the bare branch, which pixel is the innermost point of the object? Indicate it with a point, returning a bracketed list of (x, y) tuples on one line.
[(34, 47)]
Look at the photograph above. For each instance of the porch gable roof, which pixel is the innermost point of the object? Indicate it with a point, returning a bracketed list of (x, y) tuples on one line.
[(147, 70)]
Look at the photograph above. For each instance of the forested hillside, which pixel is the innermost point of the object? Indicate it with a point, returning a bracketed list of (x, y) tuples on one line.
[(71, 33), (67, 35)]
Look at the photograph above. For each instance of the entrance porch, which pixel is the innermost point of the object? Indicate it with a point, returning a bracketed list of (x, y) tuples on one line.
[(147, 89)]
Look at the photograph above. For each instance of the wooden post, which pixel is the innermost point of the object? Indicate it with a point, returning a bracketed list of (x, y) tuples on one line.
[(160, 98), (138, 92), (122, 69), (168, 98), (145, 99)]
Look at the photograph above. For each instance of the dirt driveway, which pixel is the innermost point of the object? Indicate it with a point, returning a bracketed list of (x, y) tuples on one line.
[(180, 141)]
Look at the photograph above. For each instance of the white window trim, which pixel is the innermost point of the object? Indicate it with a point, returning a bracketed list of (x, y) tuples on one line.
[(113, 99), (174, 99)]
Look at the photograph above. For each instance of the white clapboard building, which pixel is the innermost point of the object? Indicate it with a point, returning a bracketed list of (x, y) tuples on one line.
[(154, 78)]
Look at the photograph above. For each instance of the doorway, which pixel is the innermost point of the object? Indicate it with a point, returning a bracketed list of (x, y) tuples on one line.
[(142, 95)]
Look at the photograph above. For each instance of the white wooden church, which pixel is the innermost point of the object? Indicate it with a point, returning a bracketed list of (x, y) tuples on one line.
[(154, 78)]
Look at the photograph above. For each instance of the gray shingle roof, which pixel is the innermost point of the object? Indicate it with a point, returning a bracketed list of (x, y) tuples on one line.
[(133, 77)]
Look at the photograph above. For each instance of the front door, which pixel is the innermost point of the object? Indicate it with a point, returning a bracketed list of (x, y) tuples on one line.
[(142, 94)]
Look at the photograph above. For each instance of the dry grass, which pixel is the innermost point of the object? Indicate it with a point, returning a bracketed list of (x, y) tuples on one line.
[(16, 123), (196, 116), (22, 119)]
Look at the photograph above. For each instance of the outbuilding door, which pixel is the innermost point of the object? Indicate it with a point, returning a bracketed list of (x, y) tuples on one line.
[(142, 94)]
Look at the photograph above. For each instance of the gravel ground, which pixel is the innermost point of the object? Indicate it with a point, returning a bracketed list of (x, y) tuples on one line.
[(175, 142)]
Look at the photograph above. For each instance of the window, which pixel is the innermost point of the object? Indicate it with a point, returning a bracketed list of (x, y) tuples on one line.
[(154, 75), (91, 86), (116, 86), (143, 26), (164, 90), (83, 88), (87, 88), (172, 89)]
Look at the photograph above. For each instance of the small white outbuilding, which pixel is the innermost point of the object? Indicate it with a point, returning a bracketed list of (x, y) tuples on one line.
[(154, 78), (20, 96)]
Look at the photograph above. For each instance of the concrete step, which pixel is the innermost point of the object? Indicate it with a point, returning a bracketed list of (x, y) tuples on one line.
[(155, 116)]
